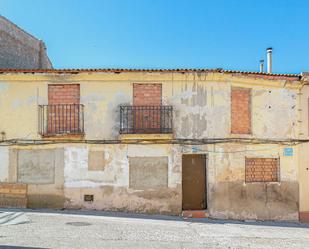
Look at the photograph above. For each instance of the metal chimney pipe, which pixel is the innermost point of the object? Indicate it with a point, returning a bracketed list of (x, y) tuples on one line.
[(261, 66), (269, 60)]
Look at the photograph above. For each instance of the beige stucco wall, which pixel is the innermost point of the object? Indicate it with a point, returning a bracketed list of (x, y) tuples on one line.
[(228, 196), (111, 188), (201, 103), (201, 110), (303, 150)]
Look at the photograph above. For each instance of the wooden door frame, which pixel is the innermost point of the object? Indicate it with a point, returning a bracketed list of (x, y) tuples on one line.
[(206, 178)]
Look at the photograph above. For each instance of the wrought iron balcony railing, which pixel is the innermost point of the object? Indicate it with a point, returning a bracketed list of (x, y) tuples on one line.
[(61, 119), (146, 119)]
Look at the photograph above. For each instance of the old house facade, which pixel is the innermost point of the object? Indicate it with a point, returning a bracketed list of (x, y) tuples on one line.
[(157, 141)]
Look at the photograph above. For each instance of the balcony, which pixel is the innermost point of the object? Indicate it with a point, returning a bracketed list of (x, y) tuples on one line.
[(146, 119), (62, 119)]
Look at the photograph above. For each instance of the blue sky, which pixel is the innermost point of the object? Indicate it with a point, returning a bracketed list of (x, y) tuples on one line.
[(229, 34)]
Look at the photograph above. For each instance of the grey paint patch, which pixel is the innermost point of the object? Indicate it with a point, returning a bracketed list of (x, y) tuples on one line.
[(148, 172), (36, 166), (94, 97), (200, 96), (4, 86), (16, 103)]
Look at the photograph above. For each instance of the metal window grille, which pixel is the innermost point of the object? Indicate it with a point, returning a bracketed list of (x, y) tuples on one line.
[(146, 119), (61, 119)]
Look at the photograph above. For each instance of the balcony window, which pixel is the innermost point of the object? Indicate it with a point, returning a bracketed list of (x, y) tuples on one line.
[(61, 119), (146, 119)]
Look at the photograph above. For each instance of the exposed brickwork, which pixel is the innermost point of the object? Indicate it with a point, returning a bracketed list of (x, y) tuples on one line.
[(63, 94), (262, 170), (241, 111), (63, 109), (147, 94)]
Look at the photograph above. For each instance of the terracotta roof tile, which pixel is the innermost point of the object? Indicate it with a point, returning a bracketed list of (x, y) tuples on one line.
[(179, 70)]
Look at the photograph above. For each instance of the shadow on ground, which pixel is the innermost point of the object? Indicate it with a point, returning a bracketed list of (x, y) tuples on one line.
[(154, 217)]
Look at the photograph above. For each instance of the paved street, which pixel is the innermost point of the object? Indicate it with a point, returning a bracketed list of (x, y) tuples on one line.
[(69, 229)]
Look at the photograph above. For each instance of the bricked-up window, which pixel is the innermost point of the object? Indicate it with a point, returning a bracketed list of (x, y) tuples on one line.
[(63, 94), (262, 169), (241, 110), (147, 94), (63, 108)]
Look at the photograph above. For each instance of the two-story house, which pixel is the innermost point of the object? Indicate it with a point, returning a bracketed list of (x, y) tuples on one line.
[(225, 143)]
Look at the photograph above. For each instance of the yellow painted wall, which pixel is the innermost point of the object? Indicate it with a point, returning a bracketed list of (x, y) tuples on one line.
[(201, 105)]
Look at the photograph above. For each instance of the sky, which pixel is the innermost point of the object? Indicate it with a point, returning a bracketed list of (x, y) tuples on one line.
[(229, 34)]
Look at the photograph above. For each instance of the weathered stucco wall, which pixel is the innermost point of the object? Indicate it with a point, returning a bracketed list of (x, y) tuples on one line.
[(201, 102), (228, 195), (304, 155), (19, 108), (45, 181), (4, 164), (111, 187), (201, 110)]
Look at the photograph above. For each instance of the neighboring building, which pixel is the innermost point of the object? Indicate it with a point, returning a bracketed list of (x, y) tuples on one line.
[(19, 49), (157, 141)]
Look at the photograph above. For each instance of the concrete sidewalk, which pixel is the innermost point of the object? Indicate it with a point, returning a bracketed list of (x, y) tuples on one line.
[(96, 229)]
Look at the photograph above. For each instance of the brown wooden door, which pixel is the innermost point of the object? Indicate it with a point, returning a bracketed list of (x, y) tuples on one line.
[(193, 182)]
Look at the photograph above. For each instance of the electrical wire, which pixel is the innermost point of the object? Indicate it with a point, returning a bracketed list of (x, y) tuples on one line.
[(180, 141)]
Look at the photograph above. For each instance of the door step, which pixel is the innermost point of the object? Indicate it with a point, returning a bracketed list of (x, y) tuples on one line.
[(195, 214)]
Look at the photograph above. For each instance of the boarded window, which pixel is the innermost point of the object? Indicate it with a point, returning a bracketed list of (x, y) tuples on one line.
[(148, 172), (262, 169), (241, 111), (36, 166), (63, 108)]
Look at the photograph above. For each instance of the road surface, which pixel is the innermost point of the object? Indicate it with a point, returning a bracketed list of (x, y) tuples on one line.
[(85, 229)]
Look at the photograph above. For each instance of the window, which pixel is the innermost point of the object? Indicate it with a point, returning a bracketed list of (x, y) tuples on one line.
[(241, 110), (147, 108), (64, 114), (262, 169), (147, 94)]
